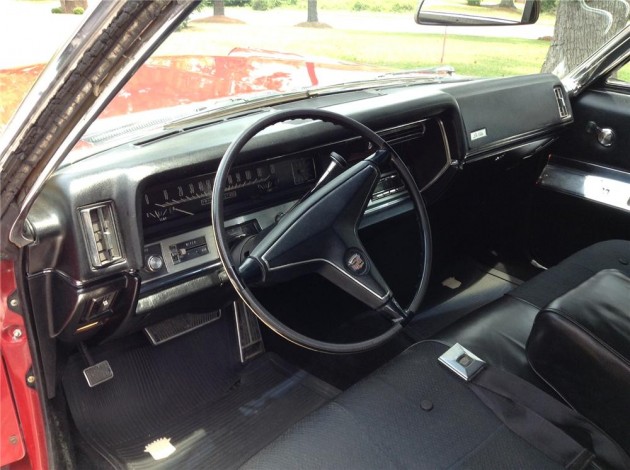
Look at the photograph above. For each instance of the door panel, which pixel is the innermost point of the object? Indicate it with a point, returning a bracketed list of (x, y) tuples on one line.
[(583, 193)]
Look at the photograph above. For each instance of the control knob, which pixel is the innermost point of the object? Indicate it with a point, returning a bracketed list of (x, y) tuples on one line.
[(155, 263)]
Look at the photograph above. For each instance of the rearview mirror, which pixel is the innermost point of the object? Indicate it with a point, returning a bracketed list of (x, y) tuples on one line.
[(477, 12)]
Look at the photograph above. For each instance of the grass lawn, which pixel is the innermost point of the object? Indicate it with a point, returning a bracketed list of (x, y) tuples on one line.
[(478, 56)]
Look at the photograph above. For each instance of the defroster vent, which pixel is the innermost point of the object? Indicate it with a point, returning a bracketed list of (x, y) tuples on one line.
[(101, 234), (562, 105)]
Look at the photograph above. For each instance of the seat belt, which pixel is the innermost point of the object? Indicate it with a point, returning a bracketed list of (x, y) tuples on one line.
[(535, 416)]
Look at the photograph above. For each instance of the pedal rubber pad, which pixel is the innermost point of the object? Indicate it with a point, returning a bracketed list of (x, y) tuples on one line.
[(98, 373)]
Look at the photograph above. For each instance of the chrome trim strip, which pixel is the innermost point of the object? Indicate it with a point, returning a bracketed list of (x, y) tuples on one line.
[(447, 150), (173, 293), (609, 187), (279, 268)]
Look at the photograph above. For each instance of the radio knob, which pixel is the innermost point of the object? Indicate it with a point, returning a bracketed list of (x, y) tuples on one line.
[(155, 263)]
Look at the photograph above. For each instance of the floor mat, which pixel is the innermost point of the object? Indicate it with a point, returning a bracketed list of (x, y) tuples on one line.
[(215, 412)]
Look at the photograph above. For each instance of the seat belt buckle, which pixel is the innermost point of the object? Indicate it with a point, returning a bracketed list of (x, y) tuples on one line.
[(462, 362)]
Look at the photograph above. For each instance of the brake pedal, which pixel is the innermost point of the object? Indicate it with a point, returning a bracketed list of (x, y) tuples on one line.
[(250, 342), (95, 374)]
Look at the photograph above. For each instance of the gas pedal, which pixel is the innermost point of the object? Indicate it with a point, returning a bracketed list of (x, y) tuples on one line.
[(250, 342), (179, 325)]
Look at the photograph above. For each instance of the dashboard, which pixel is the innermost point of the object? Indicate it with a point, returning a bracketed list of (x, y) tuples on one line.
[(124, 235)]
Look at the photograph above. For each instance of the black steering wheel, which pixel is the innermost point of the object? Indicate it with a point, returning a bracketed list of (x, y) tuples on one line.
[(319, 235)]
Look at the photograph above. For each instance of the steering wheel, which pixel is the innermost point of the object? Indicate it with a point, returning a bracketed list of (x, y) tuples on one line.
[(320, 235)]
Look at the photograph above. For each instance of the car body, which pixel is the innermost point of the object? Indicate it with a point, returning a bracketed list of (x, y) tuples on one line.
[(106, 229)]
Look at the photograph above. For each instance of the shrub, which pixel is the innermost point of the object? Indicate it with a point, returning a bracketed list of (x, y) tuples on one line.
[(78, 11), (360, 6), (402, 7), (56, 10), (474, 3), (548, 6), (260, 5)]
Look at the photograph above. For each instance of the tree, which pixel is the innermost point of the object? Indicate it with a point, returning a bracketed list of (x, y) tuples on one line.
[(507, 4), (312, 11), (218, 8), (582, 26)]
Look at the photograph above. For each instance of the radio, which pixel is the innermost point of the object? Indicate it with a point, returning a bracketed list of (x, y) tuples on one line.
[(388, 185)]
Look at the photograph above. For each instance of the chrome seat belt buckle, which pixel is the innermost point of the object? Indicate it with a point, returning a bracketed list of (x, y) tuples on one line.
[(462, 362)]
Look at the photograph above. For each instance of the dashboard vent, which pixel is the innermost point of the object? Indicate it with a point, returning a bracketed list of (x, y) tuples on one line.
[(403, 133), (562, 106), (101, 234)]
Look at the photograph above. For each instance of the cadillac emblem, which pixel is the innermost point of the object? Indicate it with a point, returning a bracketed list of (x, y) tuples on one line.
[(356, 262)]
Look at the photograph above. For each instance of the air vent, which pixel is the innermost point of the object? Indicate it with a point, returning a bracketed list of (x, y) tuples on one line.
[(562, 106), (403, 133), (101, 235)]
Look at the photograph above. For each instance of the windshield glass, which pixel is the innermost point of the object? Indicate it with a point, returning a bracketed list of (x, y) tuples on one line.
[(236, 50)]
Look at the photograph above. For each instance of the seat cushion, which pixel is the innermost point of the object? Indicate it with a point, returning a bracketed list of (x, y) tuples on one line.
[(385, 421), (498, 332), (573, 271), (580, 345)]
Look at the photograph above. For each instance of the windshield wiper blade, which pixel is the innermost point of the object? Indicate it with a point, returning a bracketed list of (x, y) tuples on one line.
[(438, 71), (378, 82), (236, 107)]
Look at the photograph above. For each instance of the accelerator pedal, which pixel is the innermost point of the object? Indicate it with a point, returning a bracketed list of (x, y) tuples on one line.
[(249, 338), (179, 325)]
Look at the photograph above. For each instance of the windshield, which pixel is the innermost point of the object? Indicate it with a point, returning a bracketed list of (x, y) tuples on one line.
[(232, 51)]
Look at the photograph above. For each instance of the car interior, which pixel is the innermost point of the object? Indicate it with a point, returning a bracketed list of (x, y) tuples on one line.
[(283, 288)]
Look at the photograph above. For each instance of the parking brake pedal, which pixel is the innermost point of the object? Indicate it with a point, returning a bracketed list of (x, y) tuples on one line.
[(95, 374), (179, 325), (249, 338)]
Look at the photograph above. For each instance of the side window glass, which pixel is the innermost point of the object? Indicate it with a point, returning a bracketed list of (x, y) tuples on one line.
[(621, 76)]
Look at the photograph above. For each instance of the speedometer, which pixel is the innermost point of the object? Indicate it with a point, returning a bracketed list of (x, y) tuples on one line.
[(192, 196)]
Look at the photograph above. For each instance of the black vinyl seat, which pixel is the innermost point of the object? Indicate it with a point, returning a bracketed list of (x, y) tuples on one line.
[(498, 332), (413, 413)]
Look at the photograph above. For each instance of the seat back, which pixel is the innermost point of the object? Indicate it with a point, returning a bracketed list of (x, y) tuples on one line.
[(580, 346)]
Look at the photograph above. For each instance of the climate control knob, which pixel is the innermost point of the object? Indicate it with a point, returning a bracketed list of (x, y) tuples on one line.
[(155, 263)]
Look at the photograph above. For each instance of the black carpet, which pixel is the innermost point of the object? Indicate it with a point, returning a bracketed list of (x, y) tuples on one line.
[(193, 391)]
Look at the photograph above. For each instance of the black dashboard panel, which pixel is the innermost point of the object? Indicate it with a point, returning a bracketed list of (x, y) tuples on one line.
[(504, 112), (158, 190)]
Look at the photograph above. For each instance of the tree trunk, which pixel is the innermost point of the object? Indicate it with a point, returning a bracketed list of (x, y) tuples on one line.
[(69, 5), (312, 11), (581, 28), (219, 7)]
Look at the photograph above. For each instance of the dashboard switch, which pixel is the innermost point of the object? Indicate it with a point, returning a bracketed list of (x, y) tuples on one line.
[(155, 263)]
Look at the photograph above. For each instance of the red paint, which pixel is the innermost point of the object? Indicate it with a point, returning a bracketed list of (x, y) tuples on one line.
[(173, 80), (16, 358), (12, 444)]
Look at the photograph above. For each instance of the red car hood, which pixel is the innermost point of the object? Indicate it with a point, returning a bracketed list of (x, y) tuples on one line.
[(174, 80)]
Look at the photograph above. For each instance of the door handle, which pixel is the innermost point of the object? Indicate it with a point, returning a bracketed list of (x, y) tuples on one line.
[(605, 136)]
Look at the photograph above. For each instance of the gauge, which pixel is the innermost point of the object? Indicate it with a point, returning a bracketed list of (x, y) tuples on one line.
[(192, 196), (303, 170)]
